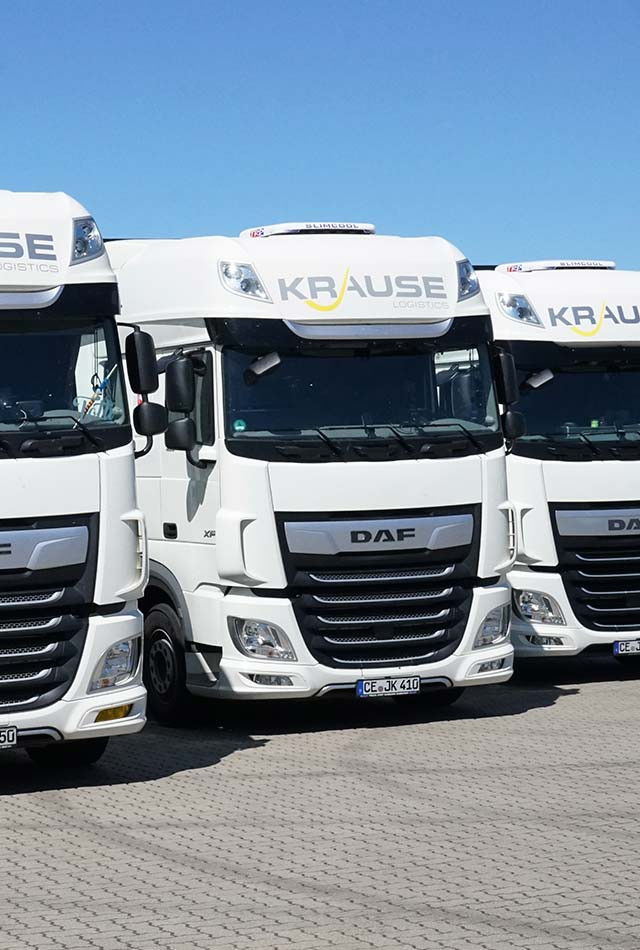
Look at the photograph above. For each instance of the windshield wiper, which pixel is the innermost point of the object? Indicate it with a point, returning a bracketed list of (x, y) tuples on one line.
[(450, 425), (84, 429), (333, 445)]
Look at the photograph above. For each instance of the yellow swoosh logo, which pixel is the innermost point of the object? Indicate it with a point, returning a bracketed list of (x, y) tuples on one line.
[(325, 308), (596, 328)]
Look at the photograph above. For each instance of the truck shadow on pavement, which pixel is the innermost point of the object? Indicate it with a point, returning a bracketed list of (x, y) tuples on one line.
[(217, 730)]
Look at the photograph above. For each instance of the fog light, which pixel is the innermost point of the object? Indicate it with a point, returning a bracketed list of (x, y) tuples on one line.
[(261, 679), (544, 641), (489, 666), (116, 712)]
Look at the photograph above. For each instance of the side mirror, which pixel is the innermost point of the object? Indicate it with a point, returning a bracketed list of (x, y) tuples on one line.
[(149, 418), (508, 388), (513, 425), (142, 368), (181, 435), (180, 385)]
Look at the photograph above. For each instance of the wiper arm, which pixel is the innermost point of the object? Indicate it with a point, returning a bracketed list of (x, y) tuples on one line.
[(450, 425), (77, 424), (333, 445)]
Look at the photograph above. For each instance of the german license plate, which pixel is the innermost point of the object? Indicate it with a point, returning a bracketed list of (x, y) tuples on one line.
[(396, 686), (626, 647), (8, 737)]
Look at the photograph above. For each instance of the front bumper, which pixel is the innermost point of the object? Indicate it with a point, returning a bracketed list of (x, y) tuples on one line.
[(574, 637), (73, 716), (308, 677)]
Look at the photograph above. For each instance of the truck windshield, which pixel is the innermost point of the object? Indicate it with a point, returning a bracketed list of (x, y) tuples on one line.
[(61, 374), (580, 400), (402, 394)]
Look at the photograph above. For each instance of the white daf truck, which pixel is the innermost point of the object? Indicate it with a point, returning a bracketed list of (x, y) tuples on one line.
[(73, 560), (573, 328), (329, 512)]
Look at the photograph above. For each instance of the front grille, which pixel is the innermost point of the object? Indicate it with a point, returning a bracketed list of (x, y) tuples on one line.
[(30, 599), (38, 659), (388, 607), (601, 576)]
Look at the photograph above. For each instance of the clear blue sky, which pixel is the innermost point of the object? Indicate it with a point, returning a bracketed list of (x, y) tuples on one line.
[(510, 128)]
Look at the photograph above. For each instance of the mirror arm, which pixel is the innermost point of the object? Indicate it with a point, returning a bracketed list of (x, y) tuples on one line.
[(145, 450), (199, 463)]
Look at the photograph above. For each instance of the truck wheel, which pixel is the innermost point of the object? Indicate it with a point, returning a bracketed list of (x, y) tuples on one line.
[(436, 698), (69, 755), (165, 674)]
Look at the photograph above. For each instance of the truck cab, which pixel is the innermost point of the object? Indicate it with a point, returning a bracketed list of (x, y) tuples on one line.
[(329, 511), (573, 328), (73, 559)]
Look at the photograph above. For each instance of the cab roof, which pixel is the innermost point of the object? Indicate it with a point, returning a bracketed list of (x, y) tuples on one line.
[(569, 305), (322, 278)]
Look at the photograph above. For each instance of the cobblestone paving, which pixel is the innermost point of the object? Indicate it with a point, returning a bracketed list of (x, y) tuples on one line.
[(508, 821)]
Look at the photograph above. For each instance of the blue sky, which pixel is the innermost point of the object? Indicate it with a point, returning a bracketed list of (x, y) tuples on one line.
[(511, 129)]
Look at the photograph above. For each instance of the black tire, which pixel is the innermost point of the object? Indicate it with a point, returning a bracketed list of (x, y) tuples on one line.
[(164, 670), (436, 698), (73, 754)]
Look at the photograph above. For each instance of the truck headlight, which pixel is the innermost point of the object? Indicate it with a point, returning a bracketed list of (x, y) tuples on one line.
[(517, 307), (494, 628), (537, 607), (242, 279), (87, 240), (117, 665), (468, 285), (261, 639)]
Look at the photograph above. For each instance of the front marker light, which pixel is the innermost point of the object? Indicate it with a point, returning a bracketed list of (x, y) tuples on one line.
[(117, 665), (468, 285), (242, 279), (260, 639), (517, 307), (495, 627), (87, 241), (537, 607)]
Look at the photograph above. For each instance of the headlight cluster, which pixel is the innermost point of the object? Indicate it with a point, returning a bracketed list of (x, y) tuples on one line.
[(242, 279), (537, 607), (517, 307), (260, 639), (495, 627), (468, 285), (87, 240), (117, 665)]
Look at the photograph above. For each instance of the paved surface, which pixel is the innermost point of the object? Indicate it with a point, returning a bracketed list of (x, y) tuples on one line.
[(508, 821)]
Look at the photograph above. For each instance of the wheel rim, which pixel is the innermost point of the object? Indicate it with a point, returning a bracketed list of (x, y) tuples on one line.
[(162, 663)]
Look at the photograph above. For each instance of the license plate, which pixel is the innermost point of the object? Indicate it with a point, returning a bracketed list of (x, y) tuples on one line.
[(396, 686), (626, 647), (8, 737)]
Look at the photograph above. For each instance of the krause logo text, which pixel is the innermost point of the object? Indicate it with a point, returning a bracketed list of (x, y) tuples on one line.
[(587, 321), (27, 252), (420, 290)]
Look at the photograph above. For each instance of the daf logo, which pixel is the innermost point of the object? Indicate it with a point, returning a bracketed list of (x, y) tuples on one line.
[(624, 524), (384, 534)]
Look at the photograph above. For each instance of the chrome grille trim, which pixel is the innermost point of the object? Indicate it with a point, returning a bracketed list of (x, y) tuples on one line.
[(372, 577), (31, 652), (24, 677), (392, 640), (387, 598), (598, 559), (18, 702), (41, 599), (343, 661), (381, 618), (21, 626)]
